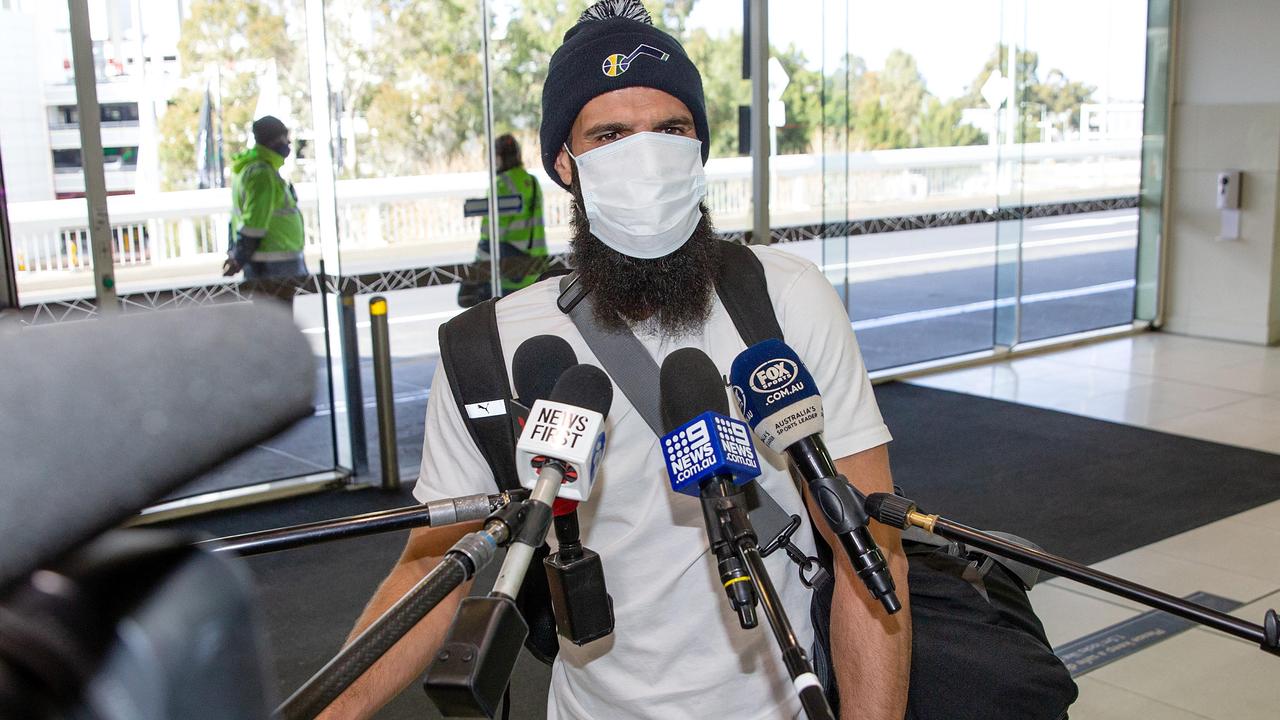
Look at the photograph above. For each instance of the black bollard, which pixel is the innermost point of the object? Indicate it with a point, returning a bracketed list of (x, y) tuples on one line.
[(384, 393)]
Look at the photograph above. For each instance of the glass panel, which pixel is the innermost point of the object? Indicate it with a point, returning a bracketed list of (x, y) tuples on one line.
[(896, 129), (40, 148), (234, 64), (1155, 121), (1080, 131), (409, 150)]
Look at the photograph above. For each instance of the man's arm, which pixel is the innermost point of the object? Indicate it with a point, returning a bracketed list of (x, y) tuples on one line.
[(870, 650), (408, 658)]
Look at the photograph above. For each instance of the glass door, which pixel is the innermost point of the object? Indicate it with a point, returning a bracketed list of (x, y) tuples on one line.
[(177, 93)]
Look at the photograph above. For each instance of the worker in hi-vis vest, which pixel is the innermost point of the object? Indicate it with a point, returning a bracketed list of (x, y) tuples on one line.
[(522, 239), (266, 226)]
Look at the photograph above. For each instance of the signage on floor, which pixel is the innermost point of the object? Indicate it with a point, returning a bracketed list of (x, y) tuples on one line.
[(1126, 638)]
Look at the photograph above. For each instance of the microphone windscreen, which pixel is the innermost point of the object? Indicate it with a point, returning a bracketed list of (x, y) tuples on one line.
[(102, 418), (584, 386), (688, 386), (777, 394), (537, 364)]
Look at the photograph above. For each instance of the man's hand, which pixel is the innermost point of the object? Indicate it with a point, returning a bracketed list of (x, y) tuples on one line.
[(230, 267), (409, 657), (870, 650)]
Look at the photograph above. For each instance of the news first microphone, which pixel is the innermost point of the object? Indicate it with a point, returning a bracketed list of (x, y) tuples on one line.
[(575, 576), (780, 401), (566, 436)]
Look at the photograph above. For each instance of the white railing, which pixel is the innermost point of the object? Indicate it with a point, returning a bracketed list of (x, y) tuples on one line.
[(421, 216)]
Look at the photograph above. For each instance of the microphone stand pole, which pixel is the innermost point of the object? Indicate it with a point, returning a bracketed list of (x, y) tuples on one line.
[(726, 501), (433, 514), (902, 513), (470, 554)]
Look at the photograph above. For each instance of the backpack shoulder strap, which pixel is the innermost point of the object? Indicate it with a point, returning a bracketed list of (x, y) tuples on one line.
[(744, 292), (471, 352)]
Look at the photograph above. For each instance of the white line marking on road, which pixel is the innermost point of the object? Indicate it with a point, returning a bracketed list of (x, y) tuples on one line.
[(986, 305), (322, 410), (983, 250), (1083, 223), (401, 320)]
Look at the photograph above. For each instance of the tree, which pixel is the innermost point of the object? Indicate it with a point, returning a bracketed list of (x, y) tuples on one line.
[(940, 126), (902, 92), (1058, 95), (225, 46)]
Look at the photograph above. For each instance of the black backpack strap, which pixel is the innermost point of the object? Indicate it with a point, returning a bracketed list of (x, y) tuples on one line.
[(482, 390), (471, 351), (744, 292)]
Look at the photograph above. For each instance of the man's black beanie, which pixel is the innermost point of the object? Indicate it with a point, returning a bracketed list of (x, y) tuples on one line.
[(602, 55)]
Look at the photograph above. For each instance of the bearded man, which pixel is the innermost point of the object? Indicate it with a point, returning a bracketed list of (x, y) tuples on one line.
[(624, 129)]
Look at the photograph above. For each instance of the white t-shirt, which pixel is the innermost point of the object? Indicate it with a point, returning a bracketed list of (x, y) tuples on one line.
[(677, 650)]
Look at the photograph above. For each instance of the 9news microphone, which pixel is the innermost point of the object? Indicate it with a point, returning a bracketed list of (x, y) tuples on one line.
[(710, 454), (703, 445), (780, 401), (575, 577)]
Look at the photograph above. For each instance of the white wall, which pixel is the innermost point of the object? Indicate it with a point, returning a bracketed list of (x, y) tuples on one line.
[(1226, 117), (24, 124)]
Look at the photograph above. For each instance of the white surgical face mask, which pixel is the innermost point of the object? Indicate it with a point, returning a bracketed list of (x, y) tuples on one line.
[(643, 192)]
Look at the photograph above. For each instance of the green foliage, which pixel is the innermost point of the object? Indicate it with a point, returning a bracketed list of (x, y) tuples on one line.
[(226, 46), (408, 81), (940, 126), (720, 62), (1058, 97)]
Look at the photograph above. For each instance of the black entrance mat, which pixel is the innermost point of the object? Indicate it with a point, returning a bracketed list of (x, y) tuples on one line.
[(1084, 488)]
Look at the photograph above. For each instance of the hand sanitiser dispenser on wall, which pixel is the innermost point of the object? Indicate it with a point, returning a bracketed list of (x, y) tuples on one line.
[(1229, 203)]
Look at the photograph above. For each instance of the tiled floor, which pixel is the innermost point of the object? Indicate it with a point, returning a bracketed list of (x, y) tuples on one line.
[(1219, 391)]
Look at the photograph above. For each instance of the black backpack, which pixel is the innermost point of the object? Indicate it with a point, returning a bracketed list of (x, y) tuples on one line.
[(978, 648)]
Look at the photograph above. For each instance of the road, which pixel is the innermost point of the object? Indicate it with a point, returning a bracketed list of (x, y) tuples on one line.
[(912, 295)]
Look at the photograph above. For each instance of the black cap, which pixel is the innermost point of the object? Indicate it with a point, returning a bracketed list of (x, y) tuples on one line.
[(614, 46), (267, 129)]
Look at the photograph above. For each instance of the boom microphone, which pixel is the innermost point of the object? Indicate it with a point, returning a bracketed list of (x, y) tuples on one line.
[(780, 401), (86, 440)]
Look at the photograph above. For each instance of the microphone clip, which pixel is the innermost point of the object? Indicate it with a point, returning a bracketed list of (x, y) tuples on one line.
[(818, 576)]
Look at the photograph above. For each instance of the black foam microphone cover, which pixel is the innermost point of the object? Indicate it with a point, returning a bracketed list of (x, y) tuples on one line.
[(584, 386), (101, 418), (688, 386), (537, 364)]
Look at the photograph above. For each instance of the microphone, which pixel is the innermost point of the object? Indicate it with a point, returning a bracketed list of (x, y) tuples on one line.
[(135, 441), (780, 401), (575, 577), (561, 445), (704, 446), (692, 403), (565, 436)]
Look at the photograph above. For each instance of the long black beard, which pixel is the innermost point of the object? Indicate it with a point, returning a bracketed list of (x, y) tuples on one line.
[(674, 291)]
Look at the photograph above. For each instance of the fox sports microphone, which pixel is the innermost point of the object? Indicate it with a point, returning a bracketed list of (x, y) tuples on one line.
[(701, 445), (780, 401), (575, 576)]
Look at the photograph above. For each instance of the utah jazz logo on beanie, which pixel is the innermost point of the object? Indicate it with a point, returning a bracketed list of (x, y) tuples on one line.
[(617, 63)]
